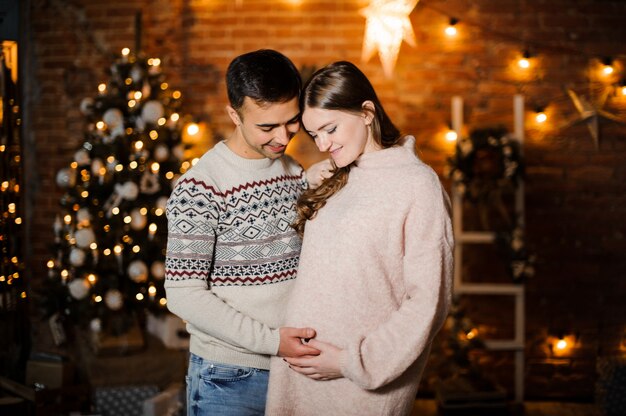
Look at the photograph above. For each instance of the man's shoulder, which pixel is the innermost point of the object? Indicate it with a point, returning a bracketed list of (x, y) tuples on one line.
[(291, 166)]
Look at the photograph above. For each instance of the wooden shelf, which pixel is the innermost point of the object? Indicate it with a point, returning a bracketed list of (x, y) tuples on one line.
[(488, 289)]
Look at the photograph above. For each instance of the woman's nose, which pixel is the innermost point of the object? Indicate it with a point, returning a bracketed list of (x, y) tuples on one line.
[(322, 143)]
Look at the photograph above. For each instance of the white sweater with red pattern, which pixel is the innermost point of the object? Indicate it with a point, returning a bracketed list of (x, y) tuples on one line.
[(232, 256)]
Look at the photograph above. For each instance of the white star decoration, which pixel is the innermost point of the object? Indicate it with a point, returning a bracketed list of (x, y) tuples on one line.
[(387, 25), (591, 113)]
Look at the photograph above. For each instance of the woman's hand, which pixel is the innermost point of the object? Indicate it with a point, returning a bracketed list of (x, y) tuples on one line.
[(324, 366), (316, 173)]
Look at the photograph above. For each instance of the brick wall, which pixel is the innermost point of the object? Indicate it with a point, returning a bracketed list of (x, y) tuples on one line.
[(576, 194)]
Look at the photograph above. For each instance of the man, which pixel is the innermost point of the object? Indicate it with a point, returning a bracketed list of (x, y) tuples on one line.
[(232, 256)]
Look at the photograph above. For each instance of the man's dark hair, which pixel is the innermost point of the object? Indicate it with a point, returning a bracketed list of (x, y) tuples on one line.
[(264, 75)]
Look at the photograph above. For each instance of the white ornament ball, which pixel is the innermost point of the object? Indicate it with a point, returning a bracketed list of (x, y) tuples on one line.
[(83, 217), (79, 288), (65, 178), (136, 73), (162, 203), (111, 164), (140, 124), (138, 271), (82, 157), (113, 118), (130, 191), (77, 257), (117, 131), (161, 153), (95, 325), (84, 237), (152, 111), (179, 152), (138, 221), (157, 269), (96, 165), (113, 299), (86, 106)]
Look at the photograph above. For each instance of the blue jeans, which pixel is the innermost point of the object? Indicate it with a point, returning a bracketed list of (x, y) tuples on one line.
[(224, 389)]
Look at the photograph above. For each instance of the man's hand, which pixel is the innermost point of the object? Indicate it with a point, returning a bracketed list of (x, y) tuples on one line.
[(317, 172), (324, 366), (291, 344)]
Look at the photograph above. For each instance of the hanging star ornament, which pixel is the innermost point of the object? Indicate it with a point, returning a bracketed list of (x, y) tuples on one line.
[(387, 25), (591, 113)]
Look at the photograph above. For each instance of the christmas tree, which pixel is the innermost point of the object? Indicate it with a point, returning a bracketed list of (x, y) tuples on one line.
[(110, 238)]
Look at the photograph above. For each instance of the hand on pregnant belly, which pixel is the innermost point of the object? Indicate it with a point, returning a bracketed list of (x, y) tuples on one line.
[(324, 366)]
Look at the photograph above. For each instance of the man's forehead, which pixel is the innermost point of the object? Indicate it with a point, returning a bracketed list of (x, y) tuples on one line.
[(264, 112)]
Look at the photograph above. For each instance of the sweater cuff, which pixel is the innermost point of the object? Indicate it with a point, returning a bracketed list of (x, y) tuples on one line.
[(274, 340), (346, 366)]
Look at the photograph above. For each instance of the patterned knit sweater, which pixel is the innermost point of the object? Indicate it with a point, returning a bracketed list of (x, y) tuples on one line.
[(375, 280), (232, 255)]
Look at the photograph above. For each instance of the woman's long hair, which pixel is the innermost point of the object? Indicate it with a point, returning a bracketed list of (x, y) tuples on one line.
[(340, 86)]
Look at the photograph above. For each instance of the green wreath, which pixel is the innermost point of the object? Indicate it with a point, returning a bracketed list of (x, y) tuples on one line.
[(486, 162), (484, 166)]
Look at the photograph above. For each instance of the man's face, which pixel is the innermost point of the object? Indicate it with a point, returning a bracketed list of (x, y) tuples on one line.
[(263, 131)]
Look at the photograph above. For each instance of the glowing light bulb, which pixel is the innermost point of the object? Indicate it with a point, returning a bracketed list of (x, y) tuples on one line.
[(451, 136), (451, 28), (193, 129), (125, 52), (541, 117), (524, 61), (561, 344), (607, 66)]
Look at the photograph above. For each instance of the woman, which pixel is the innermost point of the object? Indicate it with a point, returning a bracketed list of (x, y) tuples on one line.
[(375, 268)]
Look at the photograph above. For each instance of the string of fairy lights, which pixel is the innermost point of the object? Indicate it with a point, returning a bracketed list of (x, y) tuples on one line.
[(388, 25), (606, 70), (12, 286)]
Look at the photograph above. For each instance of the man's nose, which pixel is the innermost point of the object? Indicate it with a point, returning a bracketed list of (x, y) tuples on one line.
[(284, 134)]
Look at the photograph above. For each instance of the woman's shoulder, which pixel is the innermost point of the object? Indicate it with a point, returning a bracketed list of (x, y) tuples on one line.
[(415, 174)]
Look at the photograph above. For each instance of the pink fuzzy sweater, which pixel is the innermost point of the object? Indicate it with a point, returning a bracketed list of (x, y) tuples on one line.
[(375, 280)]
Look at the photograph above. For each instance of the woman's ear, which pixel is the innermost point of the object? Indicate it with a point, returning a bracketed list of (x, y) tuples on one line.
[(369, 110), (234, 115)]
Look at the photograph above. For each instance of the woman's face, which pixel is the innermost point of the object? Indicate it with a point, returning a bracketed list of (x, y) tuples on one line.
[(346, 136)]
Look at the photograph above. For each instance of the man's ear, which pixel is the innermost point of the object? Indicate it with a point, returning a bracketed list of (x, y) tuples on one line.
[(369, 110), (234, 115)]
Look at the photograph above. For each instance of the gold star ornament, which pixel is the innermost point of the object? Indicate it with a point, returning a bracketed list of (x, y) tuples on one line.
[(387, 25), (591, 113)]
